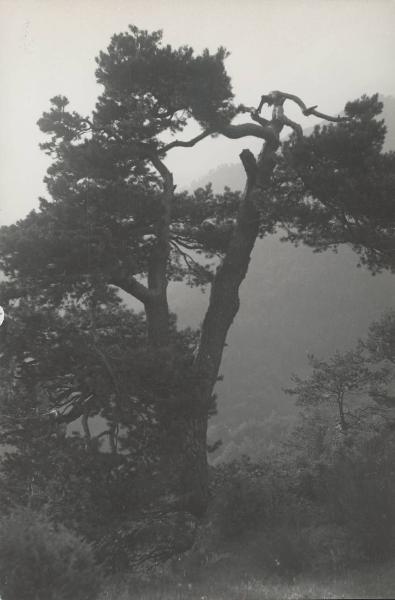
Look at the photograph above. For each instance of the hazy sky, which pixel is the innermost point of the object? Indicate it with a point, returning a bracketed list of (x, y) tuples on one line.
[(326, 51)]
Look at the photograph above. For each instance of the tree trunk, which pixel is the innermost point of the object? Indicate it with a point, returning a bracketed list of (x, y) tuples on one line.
[(157, 315), (156, 306), (187, 461), (185, 429), (195, 473), (224, 298)]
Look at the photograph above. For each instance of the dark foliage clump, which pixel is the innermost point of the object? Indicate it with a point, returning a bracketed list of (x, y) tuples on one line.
[(41, 561)]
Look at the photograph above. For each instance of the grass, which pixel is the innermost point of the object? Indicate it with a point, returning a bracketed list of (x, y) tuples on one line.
[(371, 582)]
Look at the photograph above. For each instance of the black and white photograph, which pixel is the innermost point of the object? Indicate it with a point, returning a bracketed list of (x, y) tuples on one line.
[(197, 299)]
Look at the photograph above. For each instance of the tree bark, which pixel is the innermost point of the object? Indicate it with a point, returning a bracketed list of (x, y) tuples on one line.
[(156, 307), (157, 315), (195, 473), (186, 460)]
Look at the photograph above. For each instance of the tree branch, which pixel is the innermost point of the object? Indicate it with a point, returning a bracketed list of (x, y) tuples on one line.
[(306, 111), (187, 243), (249, 163), (191, 263), (295, 126), (130, 285), (78, 409), (85, 428), (235, 132), (187, 144)]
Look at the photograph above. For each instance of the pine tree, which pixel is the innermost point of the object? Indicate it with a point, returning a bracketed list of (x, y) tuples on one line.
[(116, 221)]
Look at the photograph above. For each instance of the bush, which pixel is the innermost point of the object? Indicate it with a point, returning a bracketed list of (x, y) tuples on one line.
[(360, 492), (286, 516), (253, 496), (39, 561)]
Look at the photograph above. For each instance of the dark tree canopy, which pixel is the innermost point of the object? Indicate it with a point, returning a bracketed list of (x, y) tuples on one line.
[(340, 187)]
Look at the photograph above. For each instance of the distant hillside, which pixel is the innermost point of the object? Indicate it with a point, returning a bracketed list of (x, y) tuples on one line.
[(293, 302)]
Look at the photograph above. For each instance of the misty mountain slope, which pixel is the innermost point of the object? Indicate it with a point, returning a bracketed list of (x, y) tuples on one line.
[(293, 302)]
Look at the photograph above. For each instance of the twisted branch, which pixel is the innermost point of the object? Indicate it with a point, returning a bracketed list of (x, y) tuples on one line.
[(263, 128), (280, 97), (187, 144)]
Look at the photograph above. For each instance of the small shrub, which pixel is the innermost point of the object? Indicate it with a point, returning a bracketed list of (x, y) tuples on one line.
[(39, 561), (240, 499)]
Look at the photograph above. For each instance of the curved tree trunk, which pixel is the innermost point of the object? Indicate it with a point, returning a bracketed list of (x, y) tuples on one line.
[(223, 306)]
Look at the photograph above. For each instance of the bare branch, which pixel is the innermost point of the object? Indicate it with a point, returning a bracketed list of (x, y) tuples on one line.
[(249, 163), (255, 116), (187, 144), (230, 131), (316, 113), (160, 167), (265, 129), (295, 126), (306, 111), (235, 132)]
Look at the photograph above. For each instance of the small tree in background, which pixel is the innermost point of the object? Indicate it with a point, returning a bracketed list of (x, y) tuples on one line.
[(343, 380), (347, 470)]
